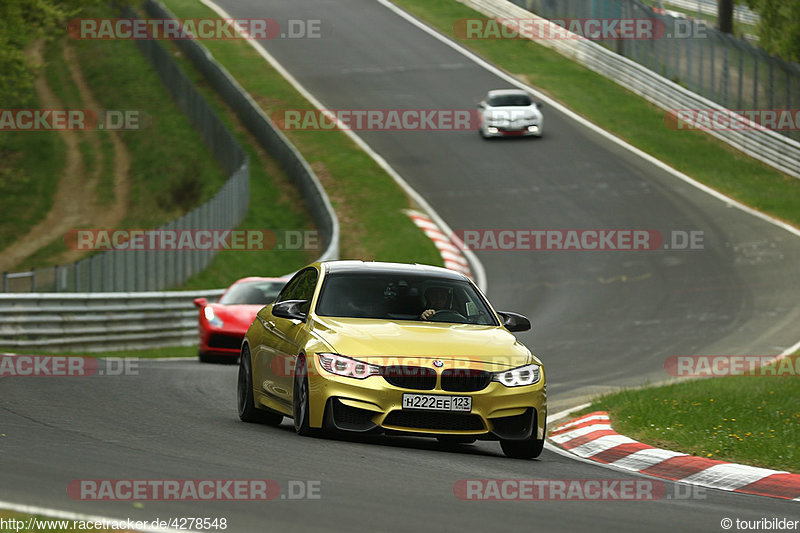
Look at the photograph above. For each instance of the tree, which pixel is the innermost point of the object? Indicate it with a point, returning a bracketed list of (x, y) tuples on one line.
[(779, 29)]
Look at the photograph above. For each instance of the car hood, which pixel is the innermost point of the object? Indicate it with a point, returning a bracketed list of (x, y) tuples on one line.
[(237, 315), (386, 342)]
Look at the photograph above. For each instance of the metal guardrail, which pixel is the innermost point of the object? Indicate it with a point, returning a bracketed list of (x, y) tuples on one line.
[(730, 71), (772, 148), (99, 322)]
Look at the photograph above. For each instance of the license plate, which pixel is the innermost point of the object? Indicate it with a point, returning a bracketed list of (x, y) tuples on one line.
[(434, 402)]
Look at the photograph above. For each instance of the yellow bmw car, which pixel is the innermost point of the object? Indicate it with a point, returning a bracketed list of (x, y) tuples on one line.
[(392, 348)]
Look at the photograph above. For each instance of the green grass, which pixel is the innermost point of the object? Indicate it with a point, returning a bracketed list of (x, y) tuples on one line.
[(152, 353), (744, 419), (30, 166), (60, 81), (149, 353), (274, 204), (626, 115), (368, 202), (172, 170)]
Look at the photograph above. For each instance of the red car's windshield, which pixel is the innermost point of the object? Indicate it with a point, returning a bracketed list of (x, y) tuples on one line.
[(252, 293)]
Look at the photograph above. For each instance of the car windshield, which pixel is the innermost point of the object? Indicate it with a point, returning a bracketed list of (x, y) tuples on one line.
[(392, 296), (510, 100), (252, 293)]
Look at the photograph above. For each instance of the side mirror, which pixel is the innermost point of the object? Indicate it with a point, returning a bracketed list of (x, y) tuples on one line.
[(291, 309), (514, 321), (482, 105), (200, 302), (538, 105)]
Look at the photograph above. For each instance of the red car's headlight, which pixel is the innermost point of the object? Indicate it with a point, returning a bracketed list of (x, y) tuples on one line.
[(347, 367), (212, 318)]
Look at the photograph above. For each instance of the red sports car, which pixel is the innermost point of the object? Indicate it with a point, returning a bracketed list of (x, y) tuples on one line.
[(223, 324)]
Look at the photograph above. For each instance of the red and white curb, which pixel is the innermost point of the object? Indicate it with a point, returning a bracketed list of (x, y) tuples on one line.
[(451, 253), (591, 437)]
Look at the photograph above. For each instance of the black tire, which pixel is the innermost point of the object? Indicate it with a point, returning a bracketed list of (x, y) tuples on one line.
[(300, 399), (204, 357), (523, 449), (455, 439), (244, 395)]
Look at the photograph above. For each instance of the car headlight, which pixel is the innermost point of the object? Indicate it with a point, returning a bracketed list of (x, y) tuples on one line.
[(347, 367), (212, 318), (518, 377)]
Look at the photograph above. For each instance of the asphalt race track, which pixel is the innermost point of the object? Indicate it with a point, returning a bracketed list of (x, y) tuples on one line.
[(601, 320)]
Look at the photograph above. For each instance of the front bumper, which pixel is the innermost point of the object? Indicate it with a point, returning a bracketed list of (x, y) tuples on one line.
[(526, 130), (220, 342), (374, 405)]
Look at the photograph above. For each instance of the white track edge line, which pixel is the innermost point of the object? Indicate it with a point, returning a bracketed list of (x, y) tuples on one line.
[(590, 125), (584, 122), (477, 267)]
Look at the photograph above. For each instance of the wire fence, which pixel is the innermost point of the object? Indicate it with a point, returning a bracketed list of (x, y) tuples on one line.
[(156, 270), (729, 71), (153, 270), (269, 136)]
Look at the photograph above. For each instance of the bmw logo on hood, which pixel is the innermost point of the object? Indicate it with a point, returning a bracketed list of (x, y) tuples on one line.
[(438, 363)]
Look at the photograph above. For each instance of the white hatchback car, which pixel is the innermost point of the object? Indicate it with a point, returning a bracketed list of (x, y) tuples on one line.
[(510, 112)]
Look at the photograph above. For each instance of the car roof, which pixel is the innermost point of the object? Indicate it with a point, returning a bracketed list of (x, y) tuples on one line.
[(350, 266), (259, 278), (503, 92)]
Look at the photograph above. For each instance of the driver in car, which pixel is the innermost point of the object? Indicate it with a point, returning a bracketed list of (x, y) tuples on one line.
[(436, 300)]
